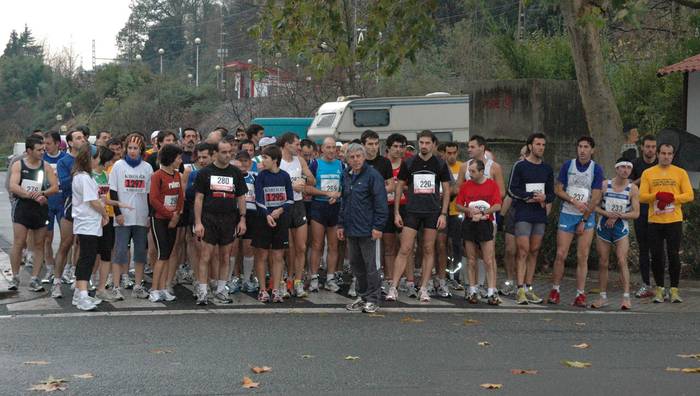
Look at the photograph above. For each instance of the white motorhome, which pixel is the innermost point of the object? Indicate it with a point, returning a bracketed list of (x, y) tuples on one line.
[(345, 119)]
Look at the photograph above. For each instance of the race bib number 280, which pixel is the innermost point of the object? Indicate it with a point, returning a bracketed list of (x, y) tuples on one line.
[(221, 183)]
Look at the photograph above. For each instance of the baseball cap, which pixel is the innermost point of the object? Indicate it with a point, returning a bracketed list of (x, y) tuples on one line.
[(154, 134), (338, 144), (266, 141)]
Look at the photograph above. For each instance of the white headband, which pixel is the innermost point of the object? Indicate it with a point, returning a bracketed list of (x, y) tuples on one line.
[(624, 163)]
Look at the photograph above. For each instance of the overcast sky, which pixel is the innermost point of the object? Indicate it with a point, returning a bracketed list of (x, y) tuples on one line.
[(65, 23)]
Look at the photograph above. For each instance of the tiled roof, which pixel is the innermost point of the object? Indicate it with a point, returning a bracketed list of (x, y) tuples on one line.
[(691, 64)]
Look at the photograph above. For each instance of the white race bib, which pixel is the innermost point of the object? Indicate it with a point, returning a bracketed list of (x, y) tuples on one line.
[(481, 205), (170, 202), (31, 186), (534, 187), (423, 183), (221, 183), (250, 195), (330, 185), (578, 193), (668, 209), (615, 205)]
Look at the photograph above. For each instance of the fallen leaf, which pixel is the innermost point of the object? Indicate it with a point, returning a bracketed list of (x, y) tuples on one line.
[(692, 356), (376, 315), (521, 371), (672, 369), (695, 370), (484, 343), (260, 370), (161, 351), (582, 345), (491, 386), (50, 384), (594, 291), (248, 383), (408, 319), (575, 364), (307, 356), (469, 322), (580, 323), (36, 363), (352, 357), (84, 376)]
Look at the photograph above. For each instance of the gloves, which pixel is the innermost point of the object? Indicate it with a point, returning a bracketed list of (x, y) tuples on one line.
[(664, 199)]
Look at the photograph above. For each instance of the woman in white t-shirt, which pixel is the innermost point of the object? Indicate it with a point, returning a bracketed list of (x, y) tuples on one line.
[(89, 215)]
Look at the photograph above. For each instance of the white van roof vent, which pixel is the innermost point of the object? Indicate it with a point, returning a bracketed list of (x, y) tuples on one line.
[(438, 94), (346, 98)]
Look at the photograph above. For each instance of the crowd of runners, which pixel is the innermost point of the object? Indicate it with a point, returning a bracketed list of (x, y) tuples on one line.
[(242, 212)]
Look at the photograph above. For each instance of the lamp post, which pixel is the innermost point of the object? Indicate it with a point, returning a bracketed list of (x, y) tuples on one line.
[(161, 52), (69, 106), (138, 57), (59, 118), (218, 84), (197, 41), (189, 78)]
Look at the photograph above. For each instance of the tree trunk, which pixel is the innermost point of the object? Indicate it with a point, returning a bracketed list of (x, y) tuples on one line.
[(602, 114)]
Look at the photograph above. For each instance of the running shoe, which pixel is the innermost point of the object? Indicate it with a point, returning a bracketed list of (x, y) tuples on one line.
[(222, 297), (263, 296), (85, 304), (154, 296), (554, 297), (385, 286), (644, 292), (283, 290), (313, 284), (472, 298), (28, 259), (277, 296), (580, 301), (392, 294), (351, 290), (234, 285), (166, 295), (370, 307), (67, 276), (35, 285), (299, 291), (521, 299), (431, 288), (147, 270), (483, 292), (532, 297), (48, 277), (126, 282), (14, 283), (118, 293), (109, 284), (356, 305), (202, 297), (494, 300), (411, 290), (139, 292), (92, 286), (105, 295), (250, 286), (332, 285), (339, 278), (659, 295), (170, 288), (444, 291), (56, 290), (454, 285), (424, 296), (403, 284), (675, 296), (600, 303), (508, 288), (626, 304)]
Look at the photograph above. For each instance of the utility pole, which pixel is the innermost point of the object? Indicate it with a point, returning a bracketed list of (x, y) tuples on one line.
[(521, 20), (222, 52), (94, 56)]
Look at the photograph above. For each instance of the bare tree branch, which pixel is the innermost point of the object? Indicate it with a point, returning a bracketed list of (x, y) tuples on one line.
[(695, 4)]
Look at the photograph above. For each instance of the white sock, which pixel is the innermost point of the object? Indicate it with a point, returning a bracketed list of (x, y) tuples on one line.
[(221, 286), (579, 292), (83, 293), (555, 287), (248, 262), (442, 282), (603, 295), (330, 276), (490, 292), (626, 295), (57, 281), (473, 289)]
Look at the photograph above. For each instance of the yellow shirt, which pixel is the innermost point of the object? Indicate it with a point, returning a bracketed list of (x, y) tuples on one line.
[(671, 179), (454, 169)]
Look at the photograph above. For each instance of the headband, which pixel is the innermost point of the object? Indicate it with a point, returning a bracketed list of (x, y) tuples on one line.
[(624, 163)]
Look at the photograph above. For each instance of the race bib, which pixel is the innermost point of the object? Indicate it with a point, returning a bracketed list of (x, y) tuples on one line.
[(221, 183), (170, 202), (668, 209), (31, 186), (103, 189), (135, 185), (53, 166), (275, 196), (250, 195), (481, 205), (330, 185), (615, 205), (578, 193), (534, 187), (187, 166), (423, 183), (390, 196)]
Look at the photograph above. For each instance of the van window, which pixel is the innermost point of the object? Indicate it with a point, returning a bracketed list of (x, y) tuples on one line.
[(326, 120), (371, 118)]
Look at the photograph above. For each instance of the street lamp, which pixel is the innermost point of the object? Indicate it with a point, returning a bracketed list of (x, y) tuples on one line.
[(59, 118), (161, 52), (217, 68), (197, 41), (69, 106), (189, 78), (138, 57)]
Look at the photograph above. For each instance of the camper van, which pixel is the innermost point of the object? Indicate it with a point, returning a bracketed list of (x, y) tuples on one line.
[(345, 119)]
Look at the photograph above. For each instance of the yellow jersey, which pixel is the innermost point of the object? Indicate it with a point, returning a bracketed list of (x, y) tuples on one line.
[(670, 179)]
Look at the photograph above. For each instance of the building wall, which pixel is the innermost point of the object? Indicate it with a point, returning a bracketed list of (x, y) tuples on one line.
[(693, 113)]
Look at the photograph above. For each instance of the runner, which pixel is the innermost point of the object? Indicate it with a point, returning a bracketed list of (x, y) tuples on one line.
[(273, 197), (31, 180), (479, 198), (248, 284), (532, 188), (665, 187), (619, 204), (219, 215), (363, 214), (453, 229), (117, 147), (240, 133), (163, 138), (641, 224), (89, 216), (328, 172), (190, 138), (102, 138), (130, 182), (75, 140), (52, 155), (255, 132), (421, 174), (579, 186), (301, 177)]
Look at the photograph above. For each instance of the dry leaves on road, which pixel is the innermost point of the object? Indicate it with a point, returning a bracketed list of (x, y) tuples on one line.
[(307, 356), (260, 370), (50, 384), (409, 319), (469, 322), (84, 376), (687, 370), (484, 343), (352, 357), (521, 372), (575, 364), (491, 386), (36, 363), (161, 351), (248, 383), (691, 356), (582, 345)]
